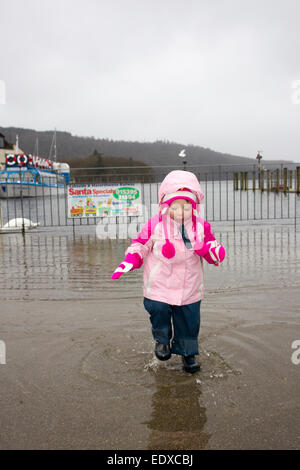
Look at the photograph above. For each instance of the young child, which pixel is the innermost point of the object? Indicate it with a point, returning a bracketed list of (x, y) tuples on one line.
[(172, 246)]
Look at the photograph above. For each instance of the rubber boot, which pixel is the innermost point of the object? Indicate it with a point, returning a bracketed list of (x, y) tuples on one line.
[(190, 364), (162, 351)]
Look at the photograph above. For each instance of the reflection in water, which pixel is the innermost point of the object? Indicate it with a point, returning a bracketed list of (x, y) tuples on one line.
[(177, 418), (258, 257), (48, 265)]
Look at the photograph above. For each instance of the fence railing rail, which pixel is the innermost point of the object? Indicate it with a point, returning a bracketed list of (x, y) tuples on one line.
[(252, 194)]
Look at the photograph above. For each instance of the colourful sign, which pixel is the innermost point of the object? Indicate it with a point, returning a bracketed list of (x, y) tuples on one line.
[(109, 200)]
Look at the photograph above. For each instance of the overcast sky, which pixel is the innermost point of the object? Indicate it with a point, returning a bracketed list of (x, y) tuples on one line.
[(215, 73)]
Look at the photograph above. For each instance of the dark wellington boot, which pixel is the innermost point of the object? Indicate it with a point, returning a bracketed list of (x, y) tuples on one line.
[(162, 351), (190, 364)]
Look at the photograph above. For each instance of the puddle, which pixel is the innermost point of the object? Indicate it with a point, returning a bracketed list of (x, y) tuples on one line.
[(131, 367)]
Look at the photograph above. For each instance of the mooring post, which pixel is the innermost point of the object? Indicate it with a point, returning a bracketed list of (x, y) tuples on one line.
[(291, 180), (236, 181), (253, 180), (277, 179), (242, 180), (285, 179), (298, 180), (268, 180), (262, 180)]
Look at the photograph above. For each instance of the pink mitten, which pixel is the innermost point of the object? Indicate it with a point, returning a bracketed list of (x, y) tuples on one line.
[(215, 253), (131, 261)]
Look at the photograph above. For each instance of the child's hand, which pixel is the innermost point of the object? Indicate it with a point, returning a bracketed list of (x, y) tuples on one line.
[(132, 261), (216, 251), (212, 252), (124, 267)]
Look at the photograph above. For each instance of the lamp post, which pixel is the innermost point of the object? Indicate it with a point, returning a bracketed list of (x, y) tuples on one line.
[(182, 155), (258, 158)]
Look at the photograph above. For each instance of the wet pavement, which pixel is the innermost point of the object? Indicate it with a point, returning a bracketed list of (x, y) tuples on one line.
[(80, 371)]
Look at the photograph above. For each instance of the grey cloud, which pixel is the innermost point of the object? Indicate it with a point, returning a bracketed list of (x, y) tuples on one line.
[(216, 74)]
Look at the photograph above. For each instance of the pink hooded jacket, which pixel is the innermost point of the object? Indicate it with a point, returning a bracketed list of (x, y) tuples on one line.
[(178, 280)]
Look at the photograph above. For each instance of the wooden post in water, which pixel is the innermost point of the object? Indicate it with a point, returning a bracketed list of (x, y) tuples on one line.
[(268, 180), (291, 180), (253, 180), (236, 181), (285, 181), (277, 179), (242, 180), (298, 179), (262, 180)]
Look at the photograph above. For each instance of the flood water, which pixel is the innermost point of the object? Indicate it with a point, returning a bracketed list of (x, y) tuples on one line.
[(80, 370)]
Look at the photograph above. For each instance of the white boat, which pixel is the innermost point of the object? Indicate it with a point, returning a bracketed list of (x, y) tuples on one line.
[(29, 176)]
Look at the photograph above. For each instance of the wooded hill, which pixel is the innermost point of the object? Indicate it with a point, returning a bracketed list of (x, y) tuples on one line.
[(91, 152)]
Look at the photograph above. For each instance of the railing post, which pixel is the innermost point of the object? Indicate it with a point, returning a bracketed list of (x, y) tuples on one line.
[(234, 204), (22, 208)]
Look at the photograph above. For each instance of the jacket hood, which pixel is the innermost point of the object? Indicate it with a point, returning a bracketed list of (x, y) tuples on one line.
[(178, 179)]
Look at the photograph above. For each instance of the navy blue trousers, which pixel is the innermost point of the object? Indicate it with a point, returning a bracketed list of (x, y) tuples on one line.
[(179, 325)]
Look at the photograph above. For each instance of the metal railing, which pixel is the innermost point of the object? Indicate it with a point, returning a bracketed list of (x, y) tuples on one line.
[(230, 196)]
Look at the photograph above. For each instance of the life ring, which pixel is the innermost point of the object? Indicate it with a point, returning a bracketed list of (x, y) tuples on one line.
[(22, 159), (11, 160)]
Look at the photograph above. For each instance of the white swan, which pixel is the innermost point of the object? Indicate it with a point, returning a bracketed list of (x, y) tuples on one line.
[(18, 223)]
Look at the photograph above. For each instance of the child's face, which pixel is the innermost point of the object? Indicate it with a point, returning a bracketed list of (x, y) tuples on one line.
[(180, 210)]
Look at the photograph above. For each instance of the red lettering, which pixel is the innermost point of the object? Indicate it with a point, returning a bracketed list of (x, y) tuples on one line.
[(85, 191)]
